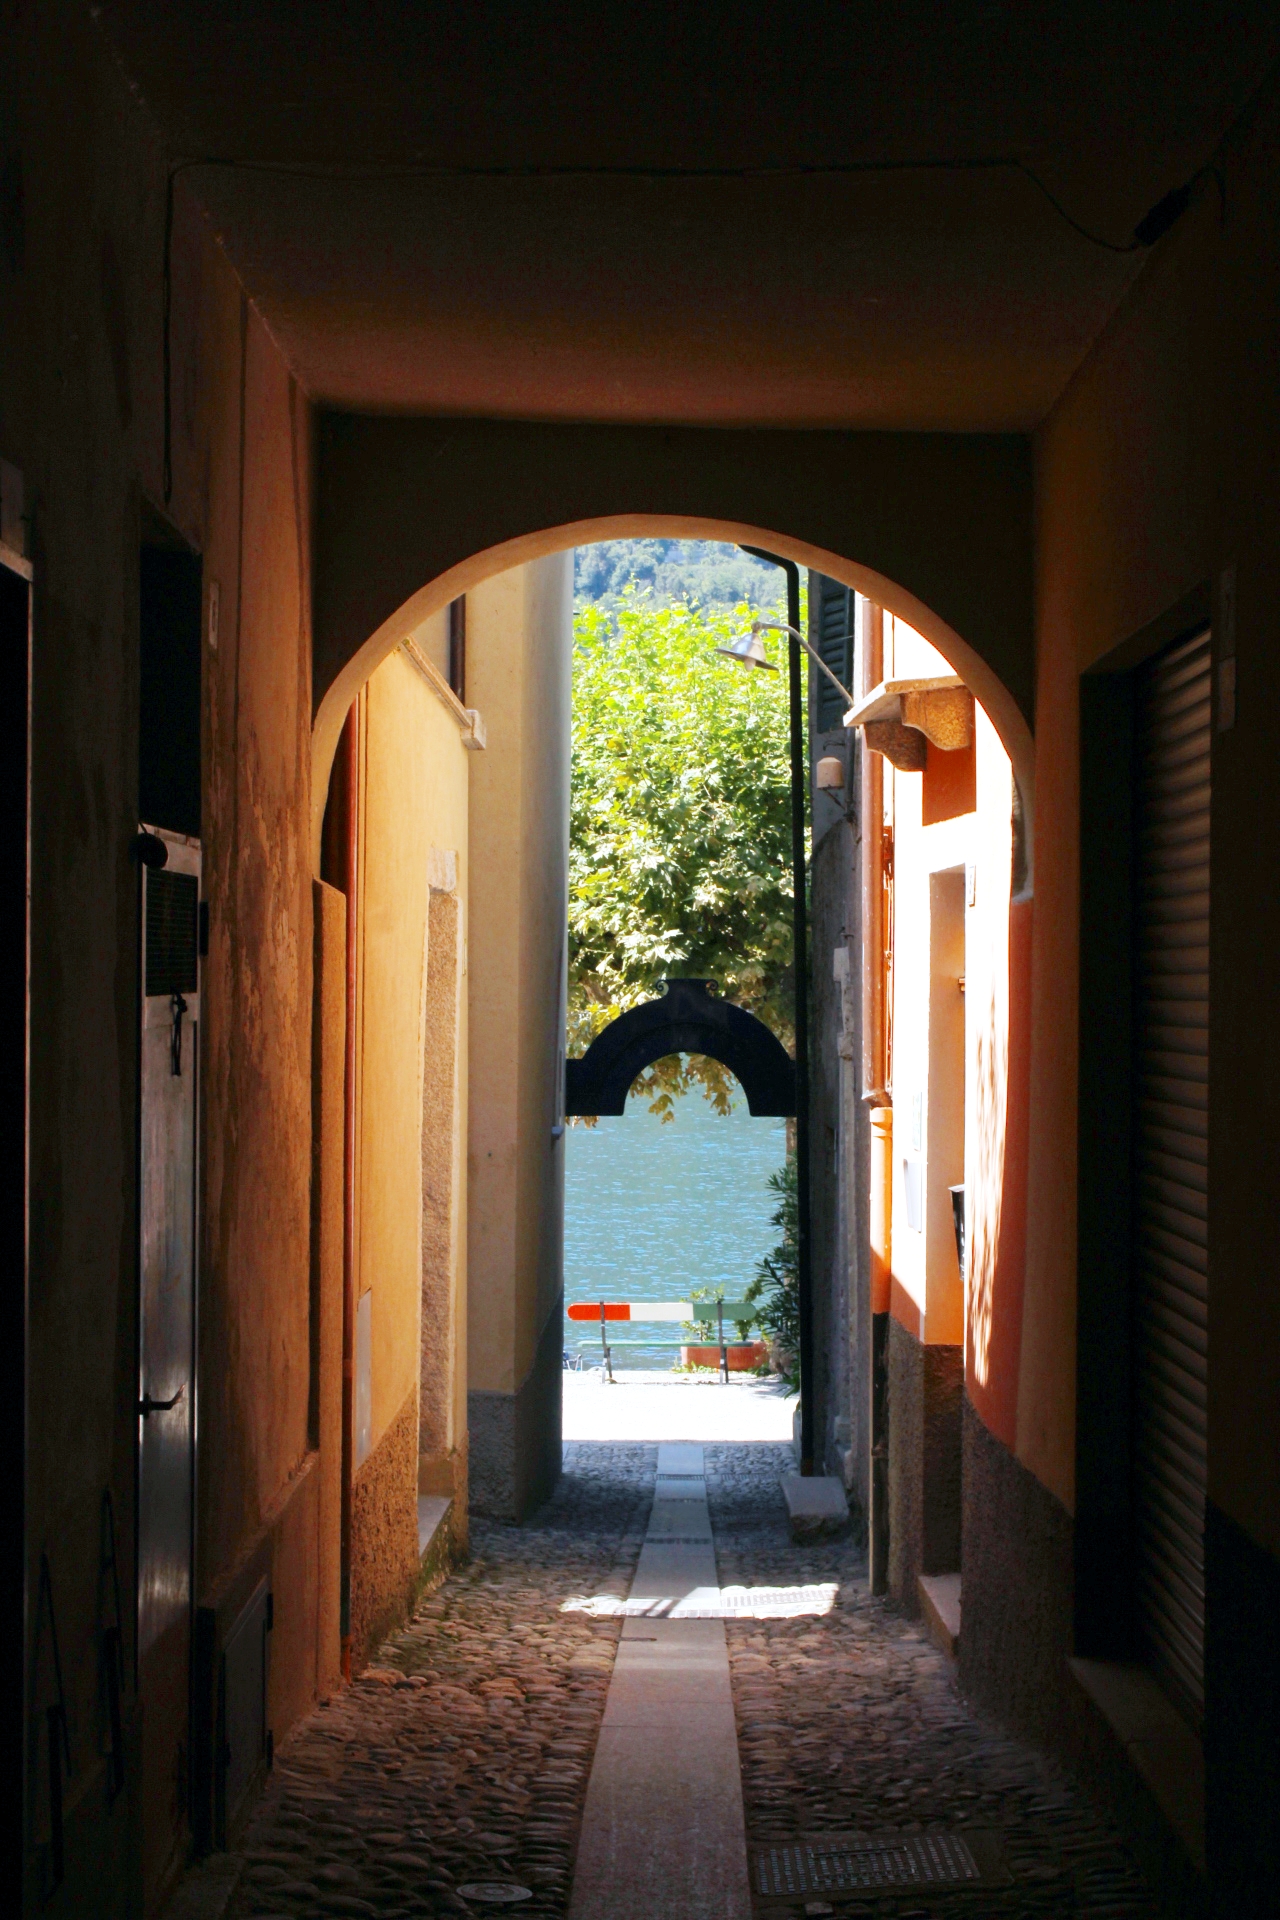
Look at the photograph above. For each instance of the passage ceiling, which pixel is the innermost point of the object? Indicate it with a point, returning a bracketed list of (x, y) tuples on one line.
[(684, 214)]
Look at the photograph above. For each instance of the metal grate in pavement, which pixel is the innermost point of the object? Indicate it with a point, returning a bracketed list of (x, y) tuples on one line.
[(845, 1863)]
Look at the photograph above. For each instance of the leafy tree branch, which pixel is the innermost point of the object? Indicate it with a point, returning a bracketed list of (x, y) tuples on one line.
[(680, 828)]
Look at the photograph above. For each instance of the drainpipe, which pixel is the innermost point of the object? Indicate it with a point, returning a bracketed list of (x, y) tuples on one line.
[(875, 1066), (875, 1077), (350, 749), (880, 1221), (799, 792)]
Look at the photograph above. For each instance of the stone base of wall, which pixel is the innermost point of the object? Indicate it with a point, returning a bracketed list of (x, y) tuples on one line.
[(926, 1389), (449, 1548), (1242, 1719), (514, 1444), (385, 1570), (1016, 1591), (448, 1474), (1016, 1639)]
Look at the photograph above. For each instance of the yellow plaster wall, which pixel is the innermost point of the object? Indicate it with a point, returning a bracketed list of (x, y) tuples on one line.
[(414, 798), (518, 675)]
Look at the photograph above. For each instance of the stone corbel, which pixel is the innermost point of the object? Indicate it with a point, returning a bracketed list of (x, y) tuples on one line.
[(899, 716), (905, 747)]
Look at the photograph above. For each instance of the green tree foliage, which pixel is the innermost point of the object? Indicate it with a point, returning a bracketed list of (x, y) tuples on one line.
[(680, 830), (775, 1293)]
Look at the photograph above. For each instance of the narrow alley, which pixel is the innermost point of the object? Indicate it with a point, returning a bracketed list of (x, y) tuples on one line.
[(559, 564), (461, 1758)]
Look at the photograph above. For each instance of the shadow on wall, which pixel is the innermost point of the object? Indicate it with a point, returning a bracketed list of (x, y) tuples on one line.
[(991, 1064)]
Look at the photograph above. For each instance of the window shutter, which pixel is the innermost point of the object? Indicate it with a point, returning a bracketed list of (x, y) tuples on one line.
[(831, 616), (1171, 1276)]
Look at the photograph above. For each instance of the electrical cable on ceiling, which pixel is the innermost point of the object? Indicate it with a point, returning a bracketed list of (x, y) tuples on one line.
[(1152, 227)]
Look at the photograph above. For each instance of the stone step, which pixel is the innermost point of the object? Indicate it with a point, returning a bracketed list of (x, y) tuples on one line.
[(940, 1606), (816, 1504)]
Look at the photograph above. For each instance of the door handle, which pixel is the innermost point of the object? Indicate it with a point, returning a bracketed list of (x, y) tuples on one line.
[(148, 1406)]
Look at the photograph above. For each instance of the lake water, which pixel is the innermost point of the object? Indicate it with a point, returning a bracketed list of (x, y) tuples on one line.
[(651, 1211)]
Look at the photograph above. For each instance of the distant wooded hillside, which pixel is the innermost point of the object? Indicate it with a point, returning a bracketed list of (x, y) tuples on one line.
[(699, 571)]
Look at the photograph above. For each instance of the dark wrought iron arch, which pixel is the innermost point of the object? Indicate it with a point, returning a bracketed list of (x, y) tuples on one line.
[(688, 1018)]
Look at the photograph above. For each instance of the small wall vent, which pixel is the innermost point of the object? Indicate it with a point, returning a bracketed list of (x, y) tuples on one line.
[(172, 909)]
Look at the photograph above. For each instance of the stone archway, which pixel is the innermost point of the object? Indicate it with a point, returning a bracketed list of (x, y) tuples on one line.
[(688, 1018), (411, 513)]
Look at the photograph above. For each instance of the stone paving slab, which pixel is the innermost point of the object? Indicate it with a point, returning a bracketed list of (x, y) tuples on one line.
[(662, 1830), (664, 1837)]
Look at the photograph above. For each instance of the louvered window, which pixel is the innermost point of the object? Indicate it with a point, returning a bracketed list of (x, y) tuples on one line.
[(173, 904), (831, 614), (1171, 1030)]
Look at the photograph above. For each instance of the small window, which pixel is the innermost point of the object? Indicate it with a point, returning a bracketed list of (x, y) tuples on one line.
[(458, 647)]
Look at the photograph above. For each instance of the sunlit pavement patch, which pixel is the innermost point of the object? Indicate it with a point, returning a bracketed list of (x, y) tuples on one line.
[(714, 1603)]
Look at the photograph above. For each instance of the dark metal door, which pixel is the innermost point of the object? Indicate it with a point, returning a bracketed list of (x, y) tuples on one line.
[(1171, 1083), (15, 882), (166, 1374)]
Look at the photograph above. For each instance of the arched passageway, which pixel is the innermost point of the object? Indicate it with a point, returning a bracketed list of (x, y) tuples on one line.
[(516, 1393), (687, 1018), (198, 300), (375, 544)]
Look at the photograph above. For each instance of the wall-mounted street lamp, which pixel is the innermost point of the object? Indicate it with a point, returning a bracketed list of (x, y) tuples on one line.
[(748, 650)]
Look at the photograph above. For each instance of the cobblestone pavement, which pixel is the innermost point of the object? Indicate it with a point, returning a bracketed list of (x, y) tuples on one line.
[(853, 1723), (463, 1755)]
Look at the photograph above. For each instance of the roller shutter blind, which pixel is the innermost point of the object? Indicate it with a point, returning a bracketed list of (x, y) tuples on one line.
[(831, 610), (1171, 1085)]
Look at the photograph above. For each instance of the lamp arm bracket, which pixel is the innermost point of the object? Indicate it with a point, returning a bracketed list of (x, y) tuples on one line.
[(784, 626)]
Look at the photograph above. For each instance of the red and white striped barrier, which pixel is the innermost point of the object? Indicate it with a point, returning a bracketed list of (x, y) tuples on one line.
[(599, 1310)]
